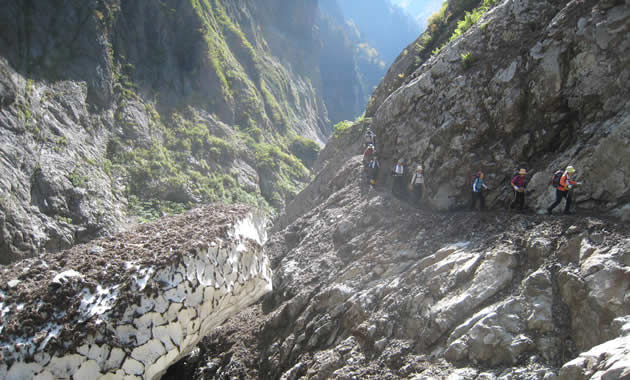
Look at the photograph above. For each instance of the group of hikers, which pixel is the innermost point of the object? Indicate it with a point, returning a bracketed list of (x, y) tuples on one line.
[(562, 181)]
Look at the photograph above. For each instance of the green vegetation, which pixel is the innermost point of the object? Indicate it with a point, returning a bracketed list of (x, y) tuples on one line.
[(305, 149), (471, 18), (281, 174), (150, 210), (124, 86), (185, 161), (186, 167), (218, 51), (107, 166), (63, 219), (243, 78), (159, 173), (342, 128), (438, 24), (451, 21), (467, 60), (60, 143), (77, 179)]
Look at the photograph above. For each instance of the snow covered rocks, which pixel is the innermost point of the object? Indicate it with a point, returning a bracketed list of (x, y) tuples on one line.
[(131, 305)]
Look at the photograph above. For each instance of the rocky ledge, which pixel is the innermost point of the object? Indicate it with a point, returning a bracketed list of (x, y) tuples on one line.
[(130, 305)]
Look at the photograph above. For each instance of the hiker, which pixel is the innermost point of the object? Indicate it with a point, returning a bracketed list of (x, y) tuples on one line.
[(417, 183), (398, 172), (519, 183), (564, 190), (478, 186), (369, 138), (369, 151), (372, 169)]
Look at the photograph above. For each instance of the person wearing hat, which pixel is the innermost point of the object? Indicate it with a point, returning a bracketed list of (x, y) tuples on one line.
[(369, 151), (477, 191), (519, 183), (369, 138), (417, 183), (373, 167), (398, 172), (564, 190)]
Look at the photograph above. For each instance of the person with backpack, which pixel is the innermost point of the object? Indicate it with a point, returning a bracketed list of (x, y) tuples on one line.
[(367, 154), (398, 172), (563, 186), (372, 168), (417, 183), (478, 186), (519, 184), (369, 138)]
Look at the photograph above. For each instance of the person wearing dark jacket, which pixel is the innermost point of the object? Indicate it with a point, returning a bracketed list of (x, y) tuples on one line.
[(372, 168), (398, 173), (564, 190), (519, 183), (369, 138)]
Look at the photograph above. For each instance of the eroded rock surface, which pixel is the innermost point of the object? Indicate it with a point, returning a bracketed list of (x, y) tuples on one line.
[(542, 88), (369, 287), (131, 305)]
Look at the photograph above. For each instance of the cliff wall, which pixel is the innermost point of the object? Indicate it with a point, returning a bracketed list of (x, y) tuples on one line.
[(116, 111)]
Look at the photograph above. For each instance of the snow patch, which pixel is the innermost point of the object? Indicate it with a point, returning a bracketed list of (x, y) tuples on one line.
[(65, 276), (252, 227)]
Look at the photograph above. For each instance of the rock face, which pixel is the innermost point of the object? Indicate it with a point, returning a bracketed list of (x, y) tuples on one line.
[(534, 85), (110, 108), (372, 287), (367, 286), (606, 361), (131, 305)]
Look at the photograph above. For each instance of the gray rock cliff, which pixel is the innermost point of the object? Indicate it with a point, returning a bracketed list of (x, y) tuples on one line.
[(111, 110), (542, 89)]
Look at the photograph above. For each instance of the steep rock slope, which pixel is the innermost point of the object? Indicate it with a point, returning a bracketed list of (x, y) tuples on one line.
[(534, 85), (441, 26), (367, 287)]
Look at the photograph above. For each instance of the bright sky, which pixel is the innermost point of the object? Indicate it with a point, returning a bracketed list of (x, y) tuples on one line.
[(419, 9)]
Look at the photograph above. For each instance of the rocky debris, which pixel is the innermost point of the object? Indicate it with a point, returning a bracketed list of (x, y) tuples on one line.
[(609, 360), (130, 305), (541, 88), (368, 287)]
